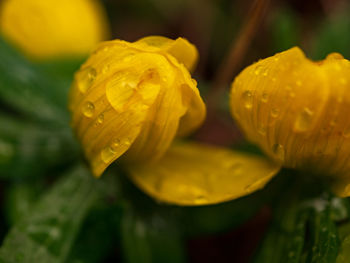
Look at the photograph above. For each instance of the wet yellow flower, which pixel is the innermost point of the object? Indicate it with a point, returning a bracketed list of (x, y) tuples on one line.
[(297, 111), (129, 101), (45, 29)]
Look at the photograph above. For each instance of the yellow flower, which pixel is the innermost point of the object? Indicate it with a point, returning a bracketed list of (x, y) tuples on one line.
[(297, 111), (129, 101), (45, 29)]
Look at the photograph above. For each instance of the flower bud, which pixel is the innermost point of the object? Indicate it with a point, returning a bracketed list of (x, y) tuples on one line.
[(297, 110), (133, 99)]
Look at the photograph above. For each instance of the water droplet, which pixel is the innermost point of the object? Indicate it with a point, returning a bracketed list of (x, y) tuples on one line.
[(257, 70), (116, 142), (262, 130), (100, 118), (105, 69), (247, 97), (88, 109), (200, 199), (108, 154), (299, 83), (278, 150), (303, 120), (275, 112), (274, 79), (87, 77), (127, 142), (343, 81), (292, 94), (264, 97)]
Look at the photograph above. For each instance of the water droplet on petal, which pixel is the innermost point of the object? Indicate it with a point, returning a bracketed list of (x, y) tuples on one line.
[(100, 118), (299, 83), (262, 130), (108, 154), (275, 112), (88, 75), (257, 70), (278, 150), (200, 199), (346, 133), (88, 109), (264, 97), (247, 97), (303, 120)]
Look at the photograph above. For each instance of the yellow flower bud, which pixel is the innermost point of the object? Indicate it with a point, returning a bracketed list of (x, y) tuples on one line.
[(44, 29), (297, 110), (133, 99)]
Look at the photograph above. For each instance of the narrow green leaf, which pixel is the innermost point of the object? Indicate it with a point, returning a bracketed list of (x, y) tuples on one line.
[(324, 243), (151, 240), (98, 236), (47, 233)]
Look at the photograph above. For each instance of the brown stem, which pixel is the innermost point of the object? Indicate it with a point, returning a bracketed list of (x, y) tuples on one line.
[(239, 47)]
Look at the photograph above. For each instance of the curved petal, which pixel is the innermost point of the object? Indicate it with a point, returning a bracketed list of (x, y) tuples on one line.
[(197, 174), (185, 52)]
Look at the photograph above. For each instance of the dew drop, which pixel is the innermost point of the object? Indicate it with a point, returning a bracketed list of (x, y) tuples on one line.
[(303, 120), (262, 130), (88, 75), (275, 112), (100, 118), (108, 154), (247, 97), (200, 199), (116, 143), (257, 70), (298, 83), (88, 109), (292, 94), (264, 97), (105, 69), (127, 142), (278, 150)]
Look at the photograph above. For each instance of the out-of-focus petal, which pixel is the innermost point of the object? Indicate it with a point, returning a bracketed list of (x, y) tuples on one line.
[(197, 174), (46, 29)]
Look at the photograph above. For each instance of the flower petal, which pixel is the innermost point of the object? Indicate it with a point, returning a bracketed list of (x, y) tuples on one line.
[(197, 174), (185, 52), (297, 110)]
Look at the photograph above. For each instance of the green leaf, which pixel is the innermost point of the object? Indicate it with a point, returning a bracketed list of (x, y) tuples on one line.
[(27, 149), (25, 88), (47, 233), (344, 252), (151, 240), (303, 228), (99, 235)]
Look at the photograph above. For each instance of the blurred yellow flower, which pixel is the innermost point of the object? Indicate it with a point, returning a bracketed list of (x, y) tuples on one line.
[(129, 101), (45, 29), (297, 111)]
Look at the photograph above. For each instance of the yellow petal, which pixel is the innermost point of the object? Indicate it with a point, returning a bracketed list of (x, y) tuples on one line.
[(133, 101), (197, 174), (297, 110), (181, 49), (45, 29)]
